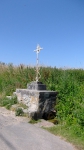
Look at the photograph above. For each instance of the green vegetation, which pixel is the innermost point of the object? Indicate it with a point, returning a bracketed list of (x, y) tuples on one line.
[(69, 133), (6, 102), (19, 112), (70, 101)]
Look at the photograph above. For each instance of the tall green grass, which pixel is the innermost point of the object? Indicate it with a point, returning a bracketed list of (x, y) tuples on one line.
[(68, 82)]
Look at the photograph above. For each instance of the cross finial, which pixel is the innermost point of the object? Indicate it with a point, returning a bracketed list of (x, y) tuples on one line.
[(37, 66), (38, 48)]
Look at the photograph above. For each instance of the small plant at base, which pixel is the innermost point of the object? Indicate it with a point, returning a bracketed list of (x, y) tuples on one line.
[(19, 112)]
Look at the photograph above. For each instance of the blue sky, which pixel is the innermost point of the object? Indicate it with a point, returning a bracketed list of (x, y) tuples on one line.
[(56, 25)]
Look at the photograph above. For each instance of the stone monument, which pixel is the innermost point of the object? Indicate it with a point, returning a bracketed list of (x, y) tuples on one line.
[(40, 101)]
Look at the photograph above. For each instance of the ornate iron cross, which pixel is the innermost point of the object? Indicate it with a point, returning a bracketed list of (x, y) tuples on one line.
[(37, 62)]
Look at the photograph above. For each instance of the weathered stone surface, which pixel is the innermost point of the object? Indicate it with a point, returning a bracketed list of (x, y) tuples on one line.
[(40, 103), (36, 86)]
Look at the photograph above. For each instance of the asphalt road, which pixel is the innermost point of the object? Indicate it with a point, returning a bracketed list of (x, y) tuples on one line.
[(17, 134)]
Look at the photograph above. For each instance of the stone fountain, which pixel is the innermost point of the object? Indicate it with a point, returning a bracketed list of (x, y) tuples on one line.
[(40, 102)]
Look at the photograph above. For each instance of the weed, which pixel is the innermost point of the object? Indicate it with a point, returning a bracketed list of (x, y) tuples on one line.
[(19, 112)]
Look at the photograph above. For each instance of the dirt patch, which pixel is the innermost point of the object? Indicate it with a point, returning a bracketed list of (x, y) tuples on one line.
[(9, 113), (44, 123)]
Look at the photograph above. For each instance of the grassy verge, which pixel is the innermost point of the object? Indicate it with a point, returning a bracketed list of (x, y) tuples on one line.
[(8, 102), (70, 134), (12, 104)]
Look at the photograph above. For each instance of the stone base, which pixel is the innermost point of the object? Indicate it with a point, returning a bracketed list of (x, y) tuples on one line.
[(36, 86), (40, 102)]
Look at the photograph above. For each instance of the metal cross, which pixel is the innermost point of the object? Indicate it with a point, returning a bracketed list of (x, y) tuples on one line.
[(37, 62)]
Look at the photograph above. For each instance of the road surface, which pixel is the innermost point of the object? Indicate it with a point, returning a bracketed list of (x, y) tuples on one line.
[(17, 134)]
